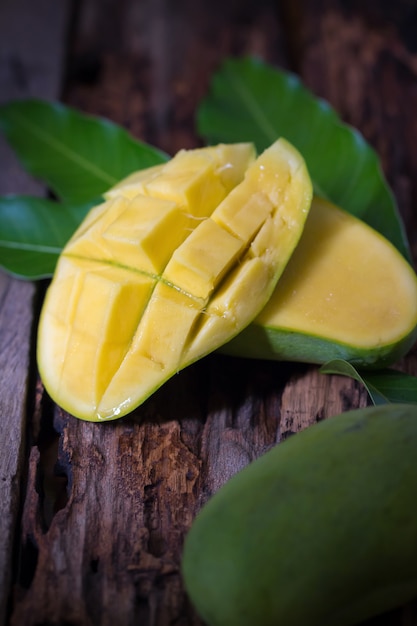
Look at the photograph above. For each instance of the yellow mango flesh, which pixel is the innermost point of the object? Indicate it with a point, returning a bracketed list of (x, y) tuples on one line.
[(184, 179), (345, 293), (177, 261)]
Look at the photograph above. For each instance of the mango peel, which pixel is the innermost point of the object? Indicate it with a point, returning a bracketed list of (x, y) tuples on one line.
[(320, 530), (177, 261)]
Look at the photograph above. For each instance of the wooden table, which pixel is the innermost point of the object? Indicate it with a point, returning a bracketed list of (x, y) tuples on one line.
[(93, 517)]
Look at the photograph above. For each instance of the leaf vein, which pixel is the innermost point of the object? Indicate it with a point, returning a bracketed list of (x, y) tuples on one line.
[(253, 107), (32, 247), (64, 150)]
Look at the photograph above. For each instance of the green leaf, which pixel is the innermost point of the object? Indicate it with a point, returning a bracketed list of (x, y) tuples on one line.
[(384, 386), (33, 232), (251, 101), (79, 157)]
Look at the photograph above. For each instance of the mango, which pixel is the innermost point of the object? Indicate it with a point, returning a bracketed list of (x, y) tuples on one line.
[(186, 175), (177, 260), (346, 293), (319, 531)]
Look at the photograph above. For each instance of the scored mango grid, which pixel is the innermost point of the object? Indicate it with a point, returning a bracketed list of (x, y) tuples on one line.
[(260, 272), (165, 298), (114, 225)]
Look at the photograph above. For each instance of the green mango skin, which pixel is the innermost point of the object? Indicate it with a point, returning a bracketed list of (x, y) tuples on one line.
[(262, 342), (319, 531)]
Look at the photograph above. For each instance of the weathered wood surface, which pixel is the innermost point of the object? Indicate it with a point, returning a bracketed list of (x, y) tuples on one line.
[(99, 524), (30, 65)]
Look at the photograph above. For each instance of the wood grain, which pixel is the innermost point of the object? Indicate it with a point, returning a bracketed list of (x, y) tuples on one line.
[(31, 50), (107, 506)]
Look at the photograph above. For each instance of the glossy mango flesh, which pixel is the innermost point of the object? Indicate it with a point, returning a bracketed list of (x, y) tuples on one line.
[(345, 293), (177, 261)]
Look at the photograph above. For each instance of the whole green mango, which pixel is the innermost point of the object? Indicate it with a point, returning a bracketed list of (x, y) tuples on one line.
[(319, 531)]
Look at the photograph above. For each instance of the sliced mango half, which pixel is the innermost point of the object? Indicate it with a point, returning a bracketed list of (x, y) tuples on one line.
[(346, 293), (179, 259)]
